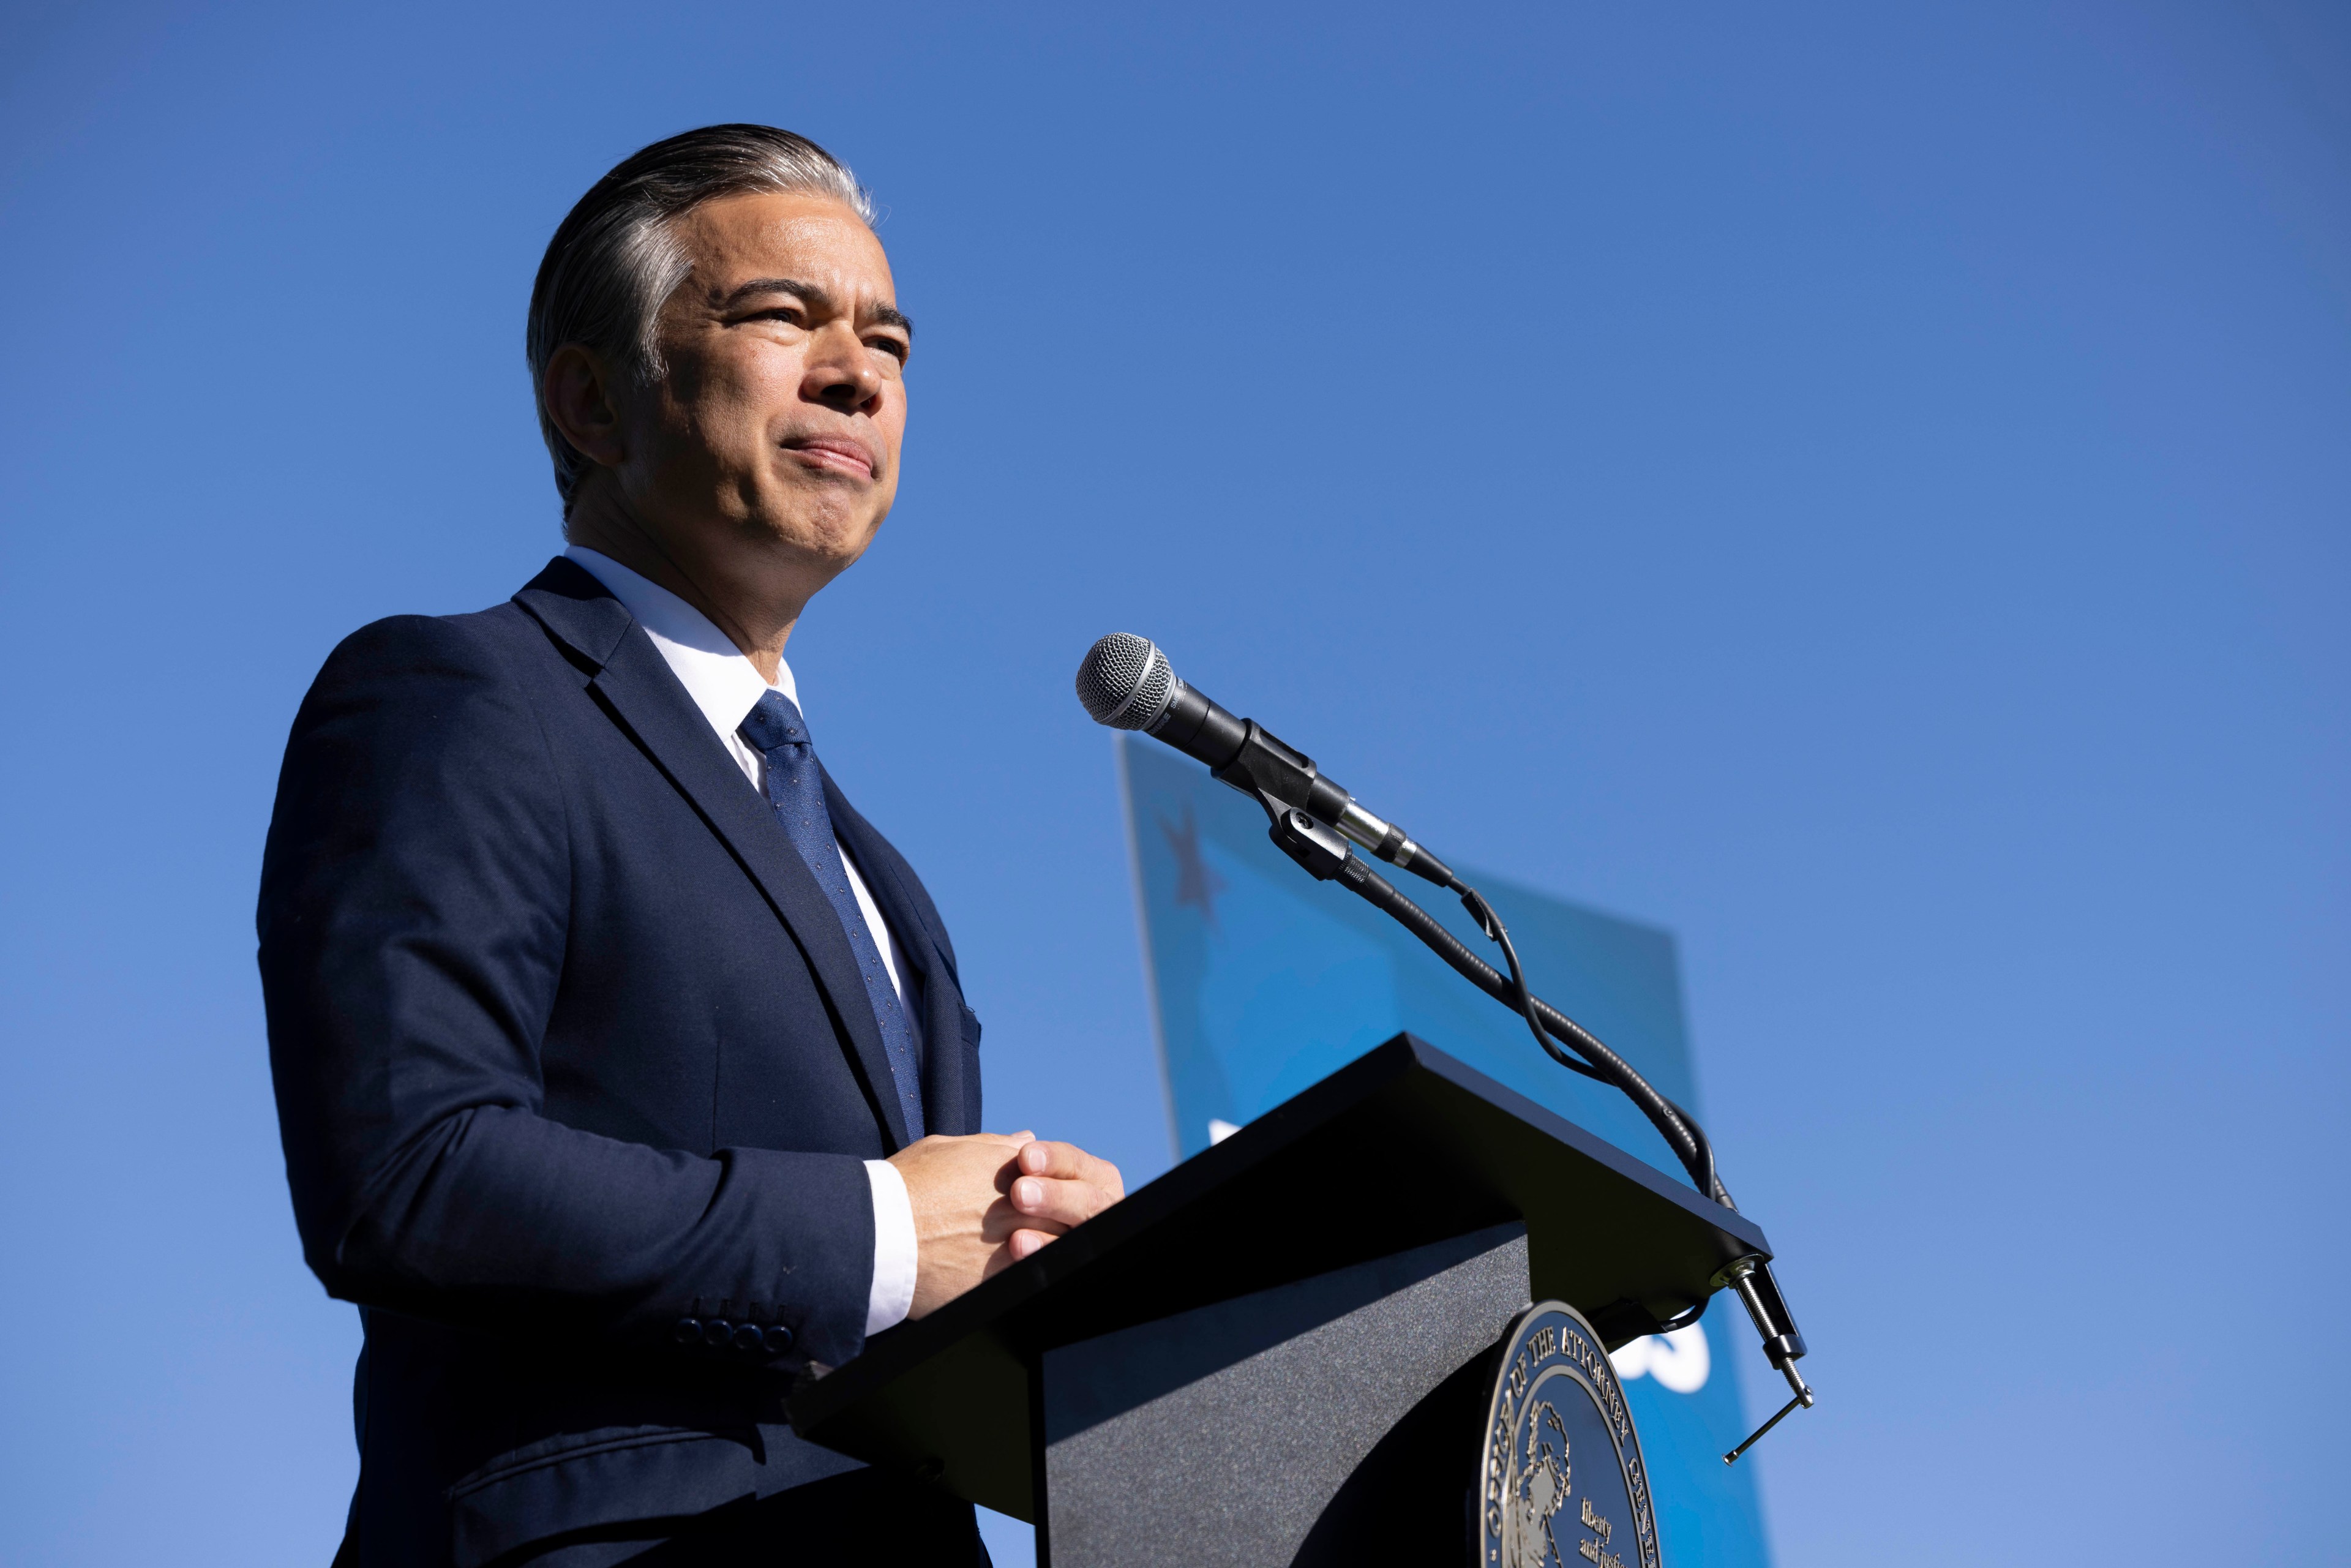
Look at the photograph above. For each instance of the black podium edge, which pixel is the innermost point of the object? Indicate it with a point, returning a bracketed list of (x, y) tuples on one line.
[(897, 1351)]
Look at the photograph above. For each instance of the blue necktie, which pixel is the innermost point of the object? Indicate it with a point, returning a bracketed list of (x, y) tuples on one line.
[(796, 789)]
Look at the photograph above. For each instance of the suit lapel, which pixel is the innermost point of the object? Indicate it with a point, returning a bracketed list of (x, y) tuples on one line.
[(641, 690), (945, 1064)]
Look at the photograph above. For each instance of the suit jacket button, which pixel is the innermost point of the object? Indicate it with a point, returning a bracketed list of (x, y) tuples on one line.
[(688, 1331), (778, 1339), (747, 1337), (717, 1331)]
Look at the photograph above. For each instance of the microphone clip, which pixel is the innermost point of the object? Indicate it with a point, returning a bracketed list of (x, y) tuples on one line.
[(1320, 851), (1752, 1278)]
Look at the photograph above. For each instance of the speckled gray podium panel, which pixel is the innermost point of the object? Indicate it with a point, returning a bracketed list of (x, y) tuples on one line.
[(1332, 1420)]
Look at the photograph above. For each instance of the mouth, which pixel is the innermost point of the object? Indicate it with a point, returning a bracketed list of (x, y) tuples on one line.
[(834, 455)]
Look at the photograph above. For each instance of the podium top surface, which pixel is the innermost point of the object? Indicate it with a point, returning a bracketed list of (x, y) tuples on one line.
[(1403, 1147)]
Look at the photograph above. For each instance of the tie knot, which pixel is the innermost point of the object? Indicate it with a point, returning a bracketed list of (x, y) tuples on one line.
[(776, 721)]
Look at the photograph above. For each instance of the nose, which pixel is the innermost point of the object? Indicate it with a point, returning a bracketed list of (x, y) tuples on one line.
[(840, 374)]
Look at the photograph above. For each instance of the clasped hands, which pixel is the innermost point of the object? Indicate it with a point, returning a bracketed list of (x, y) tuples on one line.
[(987, 1201)]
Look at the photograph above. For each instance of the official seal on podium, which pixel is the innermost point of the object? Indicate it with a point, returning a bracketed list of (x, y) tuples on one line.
[(1561, 1475)]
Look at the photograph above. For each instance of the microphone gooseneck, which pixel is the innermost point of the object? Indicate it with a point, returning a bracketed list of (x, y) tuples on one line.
[(1126, 682)]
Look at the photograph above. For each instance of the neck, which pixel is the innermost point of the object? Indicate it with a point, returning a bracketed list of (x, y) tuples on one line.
[(756, 609)]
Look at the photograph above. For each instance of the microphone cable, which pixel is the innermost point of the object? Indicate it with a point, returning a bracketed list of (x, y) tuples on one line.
[(1551, 1028)]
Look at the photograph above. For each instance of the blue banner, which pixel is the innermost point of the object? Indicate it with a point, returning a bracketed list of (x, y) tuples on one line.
[(1264, 981)]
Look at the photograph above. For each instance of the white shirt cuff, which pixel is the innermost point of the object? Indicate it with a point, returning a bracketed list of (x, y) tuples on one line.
[(892, 1295)]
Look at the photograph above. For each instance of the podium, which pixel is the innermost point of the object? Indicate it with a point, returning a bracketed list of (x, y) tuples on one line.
[(1280, 1351)]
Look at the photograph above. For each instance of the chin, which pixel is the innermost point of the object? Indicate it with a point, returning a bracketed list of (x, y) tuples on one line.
[(836, 533)]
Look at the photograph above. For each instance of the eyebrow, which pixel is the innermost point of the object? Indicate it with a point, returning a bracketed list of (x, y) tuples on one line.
[(816, 298)]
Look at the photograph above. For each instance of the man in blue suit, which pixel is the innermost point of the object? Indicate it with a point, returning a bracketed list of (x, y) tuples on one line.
[(623, 1070)]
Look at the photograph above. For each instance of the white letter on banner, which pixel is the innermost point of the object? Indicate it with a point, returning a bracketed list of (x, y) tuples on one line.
[(1680, 1361)]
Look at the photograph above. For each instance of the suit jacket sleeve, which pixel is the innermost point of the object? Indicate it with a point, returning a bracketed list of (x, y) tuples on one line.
[(413, 922)]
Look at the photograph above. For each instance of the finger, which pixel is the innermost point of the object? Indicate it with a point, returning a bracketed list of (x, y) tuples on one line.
[(1104, 1179), (1002, 1219), (1040, 1158), (1026, 1244), (1064, 1162), (1065, 1202), (1067, 1162)]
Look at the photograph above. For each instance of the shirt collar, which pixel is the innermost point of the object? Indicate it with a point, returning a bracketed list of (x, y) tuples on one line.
[(723, 683)]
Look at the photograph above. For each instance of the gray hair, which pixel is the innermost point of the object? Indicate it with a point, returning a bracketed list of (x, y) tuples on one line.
[(614, 260)]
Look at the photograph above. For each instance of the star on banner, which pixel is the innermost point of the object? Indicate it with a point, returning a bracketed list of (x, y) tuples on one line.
[(1196, 882)]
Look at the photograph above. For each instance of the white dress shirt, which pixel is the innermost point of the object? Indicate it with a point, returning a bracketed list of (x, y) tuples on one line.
[(725, 686)]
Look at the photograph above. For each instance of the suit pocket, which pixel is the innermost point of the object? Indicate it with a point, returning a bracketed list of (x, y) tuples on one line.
[(581, 1480), (970, 1027)]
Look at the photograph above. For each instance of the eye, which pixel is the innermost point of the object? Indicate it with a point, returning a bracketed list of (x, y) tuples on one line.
[(897, 348)]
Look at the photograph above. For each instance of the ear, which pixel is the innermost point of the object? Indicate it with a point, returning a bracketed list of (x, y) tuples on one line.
[(578, 394)]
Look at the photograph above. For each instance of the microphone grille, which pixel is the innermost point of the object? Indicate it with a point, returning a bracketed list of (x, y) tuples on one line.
[(1125, 681)]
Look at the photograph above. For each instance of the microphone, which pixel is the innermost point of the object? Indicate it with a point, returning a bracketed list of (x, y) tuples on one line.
[(1126, 682)]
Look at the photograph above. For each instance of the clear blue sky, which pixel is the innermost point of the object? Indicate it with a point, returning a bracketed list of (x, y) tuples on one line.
[(1865, 486)]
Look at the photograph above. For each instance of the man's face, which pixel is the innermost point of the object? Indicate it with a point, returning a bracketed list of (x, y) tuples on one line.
[(780, 416)]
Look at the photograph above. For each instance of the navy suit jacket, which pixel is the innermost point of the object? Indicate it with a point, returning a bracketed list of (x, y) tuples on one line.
[(576, 1075)]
